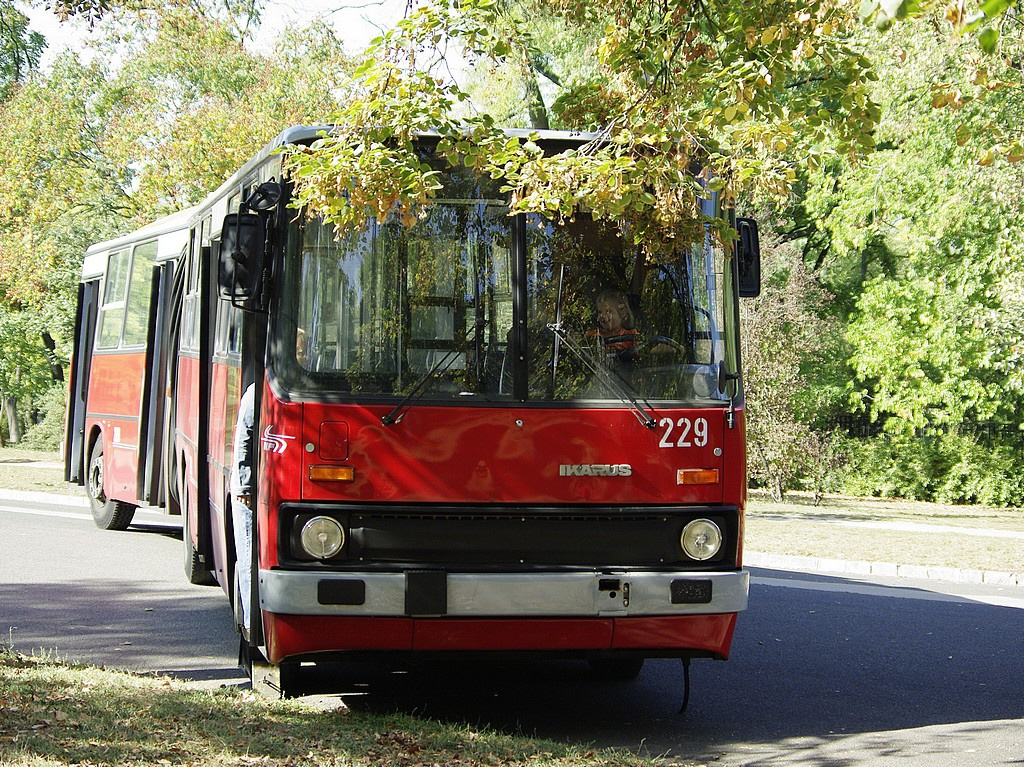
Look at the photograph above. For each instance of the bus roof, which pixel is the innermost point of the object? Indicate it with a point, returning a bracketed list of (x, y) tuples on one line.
[(170, 231), (307, 134)]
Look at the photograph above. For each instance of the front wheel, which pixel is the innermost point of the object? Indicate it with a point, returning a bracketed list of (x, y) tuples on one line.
[(107, 513)]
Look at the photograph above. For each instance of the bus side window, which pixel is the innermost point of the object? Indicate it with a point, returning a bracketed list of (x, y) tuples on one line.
[(140, 288), (115, 287), (228, 337), (234, 330), (220, 340)]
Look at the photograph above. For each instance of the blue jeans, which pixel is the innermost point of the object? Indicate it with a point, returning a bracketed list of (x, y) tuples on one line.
[(241, 519)]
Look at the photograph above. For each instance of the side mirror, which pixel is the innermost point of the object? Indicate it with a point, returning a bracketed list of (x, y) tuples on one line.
[(748, 256), (243, 238)]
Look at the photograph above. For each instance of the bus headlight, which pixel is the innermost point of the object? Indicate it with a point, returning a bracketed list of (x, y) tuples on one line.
[(322, 537), (701, 539)]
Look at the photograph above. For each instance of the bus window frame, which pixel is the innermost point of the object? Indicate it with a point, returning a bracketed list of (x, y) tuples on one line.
[(140, 285)]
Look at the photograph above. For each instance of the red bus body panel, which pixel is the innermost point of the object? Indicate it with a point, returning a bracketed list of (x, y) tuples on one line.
[(496, 455), (115, 404), (290, 635), (493, 456)]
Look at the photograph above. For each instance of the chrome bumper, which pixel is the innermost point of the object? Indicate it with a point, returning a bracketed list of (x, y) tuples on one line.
[(509, 595)]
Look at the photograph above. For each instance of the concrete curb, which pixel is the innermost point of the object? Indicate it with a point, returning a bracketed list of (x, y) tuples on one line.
[(60, 500), (888, 569)]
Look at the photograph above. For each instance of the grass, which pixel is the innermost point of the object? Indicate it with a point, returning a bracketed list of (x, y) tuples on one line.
[(54, 714), (32, 470), (855, 529)]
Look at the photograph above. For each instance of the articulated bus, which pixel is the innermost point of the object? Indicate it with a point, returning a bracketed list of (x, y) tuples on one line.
[(116, 426), (478, 434)]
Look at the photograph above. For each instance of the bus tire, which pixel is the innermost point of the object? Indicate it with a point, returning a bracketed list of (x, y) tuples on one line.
[(616, 669), (107, 513), (195, 569)]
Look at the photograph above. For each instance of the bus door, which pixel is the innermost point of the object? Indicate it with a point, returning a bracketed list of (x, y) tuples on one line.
[(151, 442), (78, 387)]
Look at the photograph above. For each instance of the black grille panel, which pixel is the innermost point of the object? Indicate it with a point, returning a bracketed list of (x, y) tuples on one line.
[(465, 538)]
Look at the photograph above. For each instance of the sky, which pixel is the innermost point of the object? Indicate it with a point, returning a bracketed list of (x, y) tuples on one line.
[(357, 22)]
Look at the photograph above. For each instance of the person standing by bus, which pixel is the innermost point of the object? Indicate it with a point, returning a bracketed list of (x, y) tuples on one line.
[(241, 501)]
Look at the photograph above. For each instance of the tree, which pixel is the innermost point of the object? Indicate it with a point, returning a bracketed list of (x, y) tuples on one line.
[(20, 48), (93, 149), (788, 332), (24, 370), (981, 17), (931, 326), (920, 243), (719, 86)]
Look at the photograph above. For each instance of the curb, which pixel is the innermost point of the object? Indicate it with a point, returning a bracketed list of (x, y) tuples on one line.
[(53, 498), (888, 569)]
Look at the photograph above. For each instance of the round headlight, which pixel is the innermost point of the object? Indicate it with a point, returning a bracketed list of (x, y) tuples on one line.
[(701, 539), (322, 537)]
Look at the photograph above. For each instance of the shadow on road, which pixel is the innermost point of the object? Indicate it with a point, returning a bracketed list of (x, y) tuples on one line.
[(127, 624), (807, 666), (168, 531)]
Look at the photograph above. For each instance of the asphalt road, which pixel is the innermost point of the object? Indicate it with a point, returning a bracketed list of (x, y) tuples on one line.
[(109, 598), (825, 670)]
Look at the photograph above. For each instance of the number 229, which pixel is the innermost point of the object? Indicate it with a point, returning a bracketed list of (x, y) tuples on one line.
[(689, 434)]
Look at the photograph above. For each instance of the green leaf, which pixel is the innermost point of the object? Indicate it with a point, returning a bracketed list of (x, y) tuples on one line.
[(988, 39), (896, 9), (867, 9), (993, 8)]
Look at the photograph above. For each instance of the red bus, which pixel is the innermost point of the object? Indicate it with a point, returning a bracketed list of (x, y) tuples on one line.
[(116, 427), (478, 434)]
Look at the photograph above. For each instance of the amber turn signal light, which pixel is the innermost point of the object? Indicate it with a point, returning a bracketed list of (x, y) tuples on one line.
[(332, 473), (696, 476)]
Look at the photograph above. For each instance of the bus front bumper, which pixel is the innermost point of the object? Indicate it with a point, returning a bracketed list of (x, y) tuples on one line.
[(432, 594)]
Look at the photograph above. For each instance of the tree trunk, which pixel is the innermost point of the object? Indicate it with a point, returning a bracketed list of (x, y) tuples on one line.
[(538, 113), (56, 370), (13, 427)]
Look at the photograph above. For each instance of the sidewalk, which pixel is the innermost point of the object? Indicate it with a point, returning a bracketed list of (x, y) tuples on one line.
[(71, 499), (888, 569)]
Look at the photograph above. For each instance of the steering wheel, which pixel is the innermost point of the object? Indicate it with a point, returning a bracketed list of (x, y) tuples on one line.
[(650, 342)]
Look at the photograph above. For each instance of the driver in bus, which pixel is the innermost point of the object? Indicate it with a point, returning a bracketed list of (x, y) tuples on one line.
[(615, 325), (301, 342)]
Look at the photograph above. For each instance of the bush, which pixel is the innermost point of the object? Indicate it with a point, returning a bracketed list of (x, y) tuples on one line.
[(945, 467), (47, 434)]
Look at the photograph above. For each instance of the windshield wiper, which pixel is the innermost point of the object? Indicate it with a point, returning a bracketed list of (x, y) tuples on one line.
[(614, 382), (420, 387)]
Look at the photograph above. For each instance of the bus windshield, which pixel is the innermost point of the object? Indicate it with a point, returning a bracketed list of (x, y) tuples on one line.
[(470, 303)]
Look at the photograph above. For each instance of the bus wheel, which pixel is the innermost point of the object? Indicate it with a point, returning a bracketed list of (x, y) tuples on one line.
[(195, 569), (617, 669), (107, 513)]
